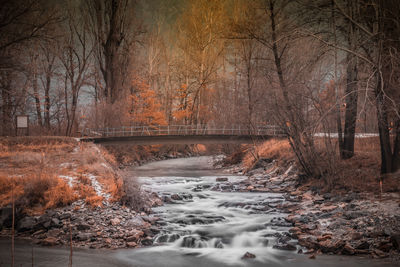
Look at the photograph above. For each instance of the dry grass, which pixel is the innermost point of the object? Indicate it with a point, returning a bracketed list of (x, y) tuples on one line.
[(273, 149), (361, 173), (33, 167)]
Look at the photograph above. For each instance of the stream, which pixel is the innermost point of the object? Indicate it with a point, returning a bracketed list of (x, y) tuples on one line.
[(205, 226), (204, 222)]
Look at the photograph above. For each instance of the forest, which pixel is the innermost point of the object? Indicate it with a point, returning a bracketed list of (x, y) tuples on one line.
[(324, 71)]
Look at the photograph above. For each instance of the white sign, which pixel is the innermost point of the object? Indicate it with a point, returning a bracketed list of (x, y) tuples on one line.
[(22, 121)]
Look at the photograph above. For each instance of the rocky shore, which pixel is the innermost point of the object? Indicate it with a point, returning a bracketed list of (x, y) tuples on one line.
[(343, 222), (111, 226), (347, 223)]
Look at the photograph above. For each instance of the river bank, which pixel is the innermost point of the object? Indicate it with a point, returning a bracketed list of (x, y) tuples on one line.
[(340, 222), (209, 218)]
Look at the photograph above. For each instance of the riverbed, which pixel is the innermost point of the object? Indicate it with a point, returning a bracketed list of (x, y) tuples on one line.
[(205, 221)]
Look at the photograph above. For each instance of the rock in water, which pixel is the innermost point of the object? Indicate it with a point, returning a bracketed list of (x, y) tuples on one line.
[(285, 247), (221, 179), (49, 241), (248, 255)]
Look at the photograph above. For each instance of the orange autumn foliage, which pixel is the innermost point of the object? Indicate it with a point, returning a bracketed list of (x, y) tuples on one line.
[(182, 112), (145, 108)]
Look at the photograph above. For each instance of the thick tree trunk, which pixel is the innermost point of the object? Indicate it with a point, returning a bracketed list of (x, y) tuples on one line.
[(351, 92), (383, 127), (351, 108)]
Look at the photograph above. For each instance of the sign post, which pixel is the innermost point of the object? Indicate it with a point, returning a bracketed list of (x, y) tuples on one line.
[(22, 125)]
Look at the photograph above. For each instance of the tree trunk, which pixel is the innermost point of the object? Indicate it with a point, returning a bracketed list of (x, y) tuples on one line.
[(351, 91), (47, 102), (383, 127), (351, 108), (37, 100)]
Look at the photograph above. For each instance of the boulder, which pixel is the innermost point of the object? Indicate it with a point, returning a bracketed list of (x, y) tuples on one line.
[(248, 255), (26, 224), (221, 179)]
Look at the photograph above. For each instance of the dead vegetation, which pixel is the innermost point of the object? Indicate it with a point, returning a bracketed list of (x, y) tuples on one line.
[(360, 173), (50, 172)]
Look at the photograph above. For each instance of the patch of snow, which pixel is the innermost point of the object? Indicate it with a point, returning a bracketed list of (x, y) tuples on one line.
[(105, 166), (67, 165), (71, 180), (335, 135), (97, 187)]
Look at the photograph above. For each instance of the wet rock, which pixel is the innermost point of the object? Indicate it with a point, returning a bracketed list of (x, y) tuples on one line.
[(221, 179), (379, 253), (331, 246), (49, 241), (362, 245), (286, 246), (219, 244), (26, 224), (167, 200), (147, 242), (248, 255), (131, 244), (385, 246), (83, 236), (348, 249), (176, 197)]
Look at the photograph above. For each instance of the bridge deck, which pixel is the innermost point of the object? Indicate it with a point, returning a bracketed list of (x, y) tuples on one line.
[(179, 139), (180, 134)]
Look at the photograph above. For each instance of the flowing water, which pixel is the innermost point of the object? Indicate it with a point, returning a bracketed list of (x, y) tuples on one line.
[(200, 226), (204, 226)]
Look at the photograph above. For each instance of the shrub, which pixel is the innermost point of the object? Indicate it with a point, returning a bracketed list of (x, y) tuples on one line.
[(133, 196)]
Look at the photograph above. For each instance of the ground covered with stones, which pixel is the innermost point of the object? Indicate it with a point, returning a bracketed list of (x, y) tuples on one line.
[(112, 226), (342, 222)]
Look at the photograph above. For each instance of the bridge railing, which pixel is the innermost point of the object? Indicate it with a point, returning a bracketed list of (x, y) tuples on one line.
[(183, 130)]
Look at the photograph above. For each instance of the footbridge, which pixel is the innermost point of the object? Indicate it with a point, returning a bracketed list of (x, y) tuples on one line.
[(181, 134)]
